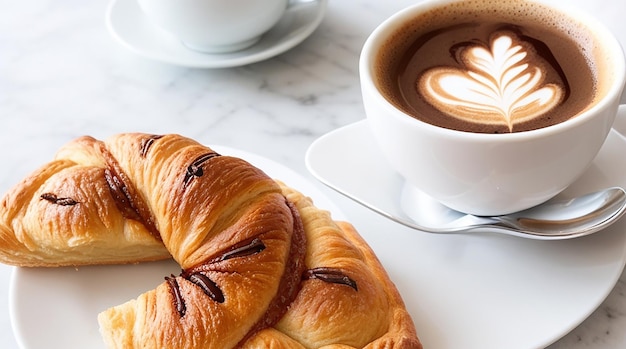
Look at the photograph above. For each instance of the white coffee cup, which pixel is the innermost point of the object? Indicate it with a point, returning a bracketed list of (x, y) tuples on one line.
[(491, 174), (216, 26)]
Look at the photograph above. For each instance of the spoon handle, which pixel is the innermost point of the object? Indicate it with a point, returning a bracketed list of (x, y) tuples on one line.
[(569, 218)]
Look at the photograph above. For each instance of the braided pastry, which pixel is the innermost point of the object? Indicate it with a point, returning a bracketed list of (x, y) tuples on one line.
[(261, 265)]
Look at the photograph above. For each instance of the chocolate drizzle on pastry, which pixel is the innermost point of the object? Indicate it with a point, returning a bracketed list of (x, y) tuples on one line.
[(198, 277), (207, 285), (121, 195), (178, 297), (57, 200), (330, 275), (246, 248), (126, 200), (195, 169), (147, 143)]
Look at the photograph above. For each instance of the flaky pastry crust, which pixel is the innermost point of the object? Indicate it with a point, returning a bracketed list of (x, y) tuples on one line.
[(261, 265)]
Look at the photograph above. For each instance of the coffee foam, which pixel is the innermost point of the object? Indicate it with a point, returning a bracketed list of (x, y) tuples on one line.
[(519, 13), (497, 84)]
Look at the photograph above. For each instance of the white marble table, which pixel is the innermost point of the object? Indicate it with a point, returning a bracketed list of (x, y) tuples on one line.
[(62, 75)]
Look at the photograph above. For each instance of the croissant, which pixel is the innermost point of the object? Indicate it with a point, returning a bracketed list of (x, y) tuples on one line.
[(261, 266)]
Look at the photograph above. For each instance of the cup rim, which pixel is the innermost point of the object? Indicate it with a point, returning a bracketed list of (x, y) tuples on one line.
[(392, 23)]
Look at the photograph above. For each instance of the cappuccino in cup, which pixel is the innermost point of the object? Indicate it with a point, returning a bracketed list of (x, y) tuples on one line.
[(470, 67), (490, 107)]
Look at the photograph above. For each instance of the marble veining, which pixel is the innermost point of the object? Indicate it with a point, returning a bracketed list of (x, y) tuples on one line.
[(62, 76)]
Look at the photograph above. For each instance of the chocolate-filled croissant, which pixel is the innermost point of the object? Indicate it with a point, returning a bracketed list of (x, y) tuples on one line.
[(261, 266)]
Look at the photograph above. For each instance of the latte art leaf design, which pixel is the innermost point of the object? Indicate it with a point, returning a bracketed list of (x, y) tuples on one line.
[(499, 85)]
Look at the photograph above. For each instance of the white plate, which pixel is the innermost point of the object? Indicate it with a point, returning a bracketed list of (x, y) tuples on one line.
[(132, 29), (482, 290), (57, 308)]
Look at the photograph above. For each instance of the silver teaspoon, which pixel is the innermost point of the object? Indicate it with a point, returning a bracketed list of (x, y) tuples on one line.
[(555, 219)]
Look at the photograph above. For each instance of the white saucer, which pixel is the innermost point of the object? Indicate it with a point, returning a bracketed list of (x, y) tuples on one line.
[(57, 308), (481, 290), (132, 29)]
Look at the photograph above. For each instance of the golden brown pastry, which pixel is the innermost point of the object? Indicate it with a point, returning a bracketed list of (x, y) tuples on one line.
[(261, 266), (71, 212)]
